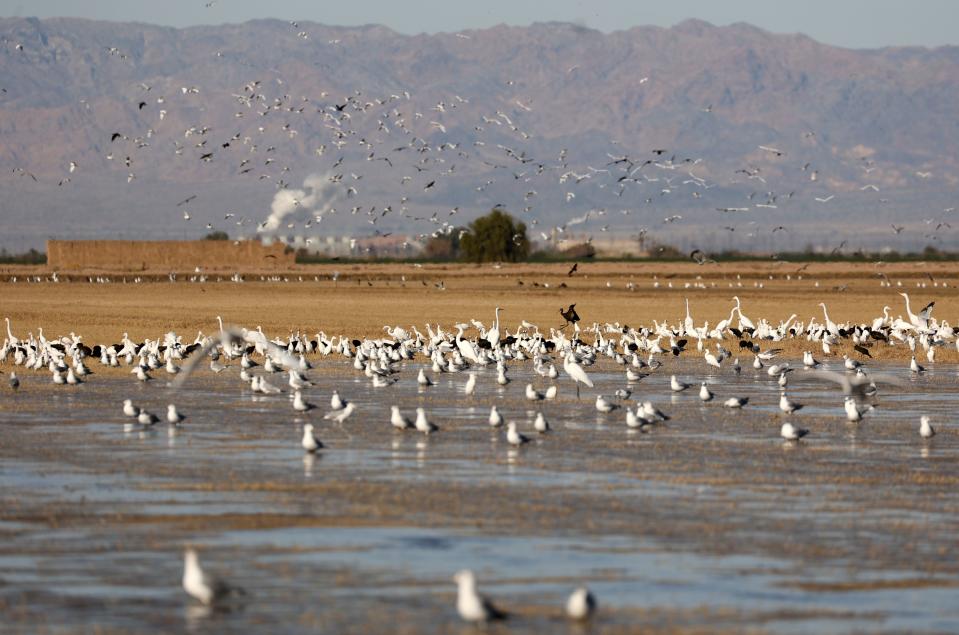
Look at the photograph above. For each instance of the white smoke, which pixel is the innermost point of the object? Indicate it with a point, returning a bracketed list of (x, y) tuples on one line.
[(316, 198)]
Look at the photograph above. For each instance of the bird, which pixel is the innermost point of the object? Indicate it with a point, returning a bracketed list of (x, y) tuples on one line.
[(147, 418), (791, 432), (787, 405), (532, 394), (677, 386), (569, 274), (172, 416), (129, 409), (603, 405), (704, 393), (339, 416), (736, 402), (915, 367), (422, 379), (540, 424), (201, 586), (299, 405), (470, 387), (513, 436), (471, 606), (399, 421), (423, 424), (926, 431), (853, 411), (576, 373), (581, 604), (336, 402), (13, 380), (310, 443), (495, 418), (569, 315)]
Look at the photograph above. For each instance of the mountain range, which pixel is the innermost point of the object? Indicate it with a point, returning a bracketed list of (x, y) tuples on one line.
[(695, 135)]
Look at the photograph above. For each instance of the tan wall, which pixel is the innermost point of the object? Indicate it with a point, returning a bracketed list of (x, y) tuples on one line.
[(166, 255)]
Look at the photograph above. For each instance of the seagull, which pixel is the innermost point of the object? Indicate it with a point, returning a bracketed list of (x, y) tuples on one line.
[(581, 604), (677, 386), (470, 387), (541, 425), (495, 418), (787, 405), (336, 402), (704, 393), (603, 405), (853, 413), (129, 409), (470, 605), (532, 394), (310, 443), (299, 405), (339, 416), (423, 380), (791, 432), (198, 584), (736, 402), (13, 380), (652, 412), (915, 367), (926, 431), (147, 418), (423, 424), (172, 416), (514, 437), (399, 421), (856, 385)]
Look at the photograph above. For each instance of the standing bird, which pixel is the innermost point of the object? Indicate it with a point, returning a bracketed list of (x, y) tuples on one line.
[(198, 584), (787, 405), (339, 416), (172, 416), (569, 315), (423, 424), (926, 431), (581, 604), (677, 386), (310, 443), (399, 421), (470, 387), (495, 418), (470, 605), (576, 372), (704, 393), (13, 380), (791, 432), (541, 425), (513, 436)]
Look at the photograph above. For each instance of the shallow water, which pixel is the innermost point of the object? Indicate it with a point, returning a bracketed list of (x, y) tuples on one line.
[(708, 521)]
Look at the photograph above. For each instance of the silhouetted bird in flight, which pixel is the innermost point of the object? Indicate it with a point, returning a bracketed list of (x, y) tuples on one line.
[(573, 270)]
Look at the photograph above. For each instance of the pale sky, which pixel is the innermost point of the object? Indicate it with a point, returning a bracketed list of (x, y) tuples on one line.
[(849, 23)]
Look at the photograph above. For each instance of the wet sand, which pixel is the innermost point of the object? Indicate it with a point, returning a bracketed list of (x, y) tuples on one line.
[(707, 523)]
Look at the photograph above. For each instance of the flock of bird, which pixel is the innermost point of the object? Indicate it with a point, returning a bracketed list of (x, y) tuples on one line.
[(572, 348), (424, 153)]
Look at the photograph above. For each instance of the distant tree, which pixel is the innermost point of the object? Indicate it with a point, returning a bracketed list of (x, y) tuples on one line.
[(217, 235), (444, 246), (495, 236)]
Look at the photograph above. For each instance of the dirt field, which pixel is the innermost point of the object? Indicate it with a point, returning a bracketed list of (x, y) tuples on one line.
[(365, 297)]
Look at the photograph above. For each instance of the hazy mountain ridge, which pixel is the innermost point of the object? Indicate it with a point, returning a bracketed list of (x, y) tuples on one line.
[(713, 94)]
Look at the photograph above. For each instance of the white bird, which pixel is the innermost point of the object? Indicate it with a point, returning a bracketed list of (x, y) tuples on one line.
[(677, 386), (336, 402), (926, 431), (172, 416), (470, 387), (471, 606), (604, 405), (310, 443), (13, 380), (299, 405), (853, 412), (399, 421), (513, 436), (501, 377), (147, 418), (198, 584), (540, 424), (495, 418), (736, 402), (129, 409), (711, 359), (551, 392), (423, 424), (652, 412), (791, 432), (423, 380), (787, 405), (339, 416), (576, 372), (581, 604), (141, 373), (704, 393), (915, 367), (532, 394)]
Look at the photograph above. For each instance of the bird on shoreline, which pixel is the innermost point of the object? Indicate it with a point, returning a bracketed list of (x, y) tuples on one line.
[(202, 586), (471, 606), (309, 442)]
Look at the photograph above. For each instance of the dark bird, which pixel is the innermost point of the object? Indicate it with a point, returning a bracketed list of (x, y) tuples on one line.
[(115, 136), (572, 270), (569, 315), (141, 105), (429, 185), (700, 257), (862, 350)]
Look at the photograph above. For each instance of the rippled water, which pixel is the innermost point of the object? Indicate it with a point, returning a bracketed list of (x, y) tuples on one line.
[(708, 521)]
